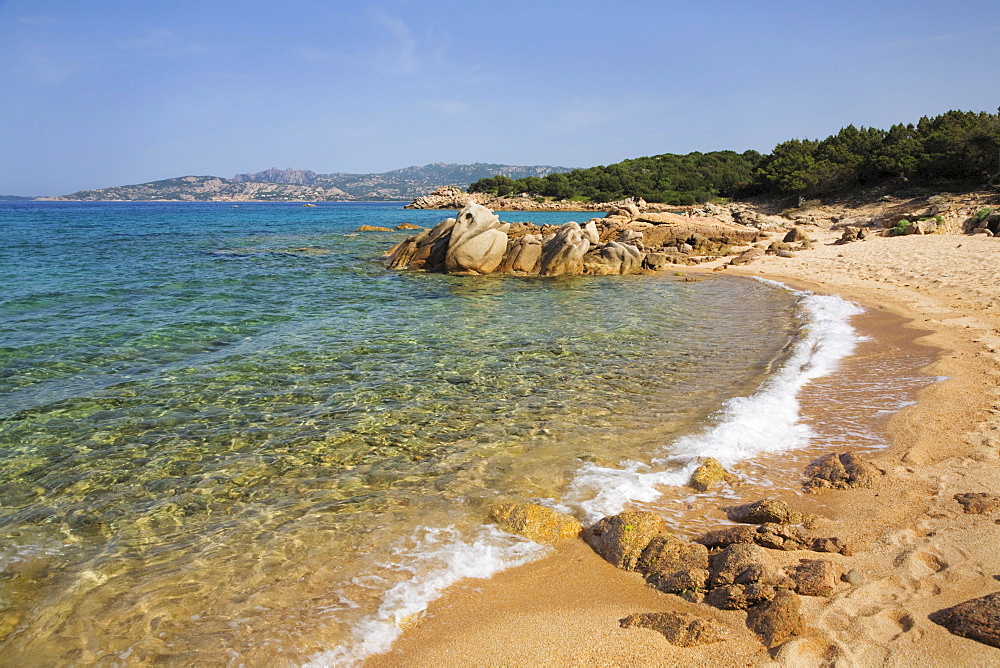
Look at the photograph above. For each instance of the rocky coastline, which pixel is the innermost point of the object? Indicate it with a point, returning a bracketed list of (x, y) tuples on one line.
[(628, 240), (451, 197), (883, 557)]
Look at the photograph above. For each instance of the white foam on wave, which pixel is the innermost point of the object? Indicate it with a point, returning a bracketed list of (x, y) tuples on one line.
[(766, 421), (438, 558)]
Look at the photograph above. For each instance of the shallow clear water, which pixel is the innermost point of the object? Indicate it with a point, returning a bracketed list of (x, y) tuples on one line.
[(229, 434)]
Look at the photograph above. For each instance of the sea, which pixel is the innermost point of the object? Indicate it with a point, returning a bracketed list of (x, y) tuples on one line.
[(230, 436)]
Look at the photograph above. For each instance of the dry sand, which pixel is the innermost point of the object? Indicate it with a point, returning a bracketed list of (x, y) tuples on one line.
[(917, 550)]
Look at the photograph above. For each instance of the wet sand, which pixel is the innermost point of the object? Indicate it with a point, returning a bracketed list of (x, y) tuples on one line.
[(916, 548)]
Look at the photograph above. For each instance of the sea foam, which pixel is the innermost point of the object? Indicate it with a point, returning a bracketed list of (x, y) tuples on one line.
[(439, 557), (766, 421)]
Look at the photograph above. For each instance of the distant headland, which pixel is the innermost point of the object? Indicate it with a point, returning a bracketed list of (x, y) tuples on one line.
[(297, 185)]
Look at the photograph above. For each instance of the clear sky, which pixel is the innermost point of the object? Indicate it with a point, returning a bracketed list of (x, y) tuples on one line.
[(100, 93)]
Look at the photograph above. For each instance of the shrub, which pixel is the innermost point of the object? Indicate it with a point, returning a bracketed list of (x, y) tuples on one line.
[(900, 228), (981, 215)]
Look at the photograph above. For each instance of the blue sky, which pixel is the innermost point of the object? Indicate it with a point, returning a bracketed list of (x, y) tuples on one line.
[(103, 93)]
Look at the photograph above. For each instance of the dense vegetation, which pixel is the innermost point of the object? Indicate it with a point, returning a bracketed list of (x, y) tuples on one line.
[(955, 147)]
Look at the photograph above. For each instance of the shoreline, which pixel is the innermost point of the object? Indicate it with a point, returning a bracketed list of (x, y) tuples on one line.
[(919, 553)]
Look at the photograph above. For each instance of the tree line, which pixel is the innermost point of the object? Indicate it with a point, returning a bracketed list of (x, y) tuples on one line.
[(957, 148)]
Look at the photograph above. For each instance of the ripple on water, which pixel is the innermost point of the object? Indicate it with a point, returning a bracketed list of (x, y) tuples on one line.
[(214, 458)]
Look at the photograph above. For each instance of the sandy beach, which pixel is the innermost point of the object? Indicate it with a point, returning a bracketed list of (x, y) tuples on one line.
[(932, 302)]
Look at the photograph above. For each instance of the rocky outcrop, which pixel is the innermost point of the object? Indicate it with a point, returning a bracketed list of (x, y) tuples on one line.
[(425, 251), (628, 241), (852, 233), (840, 471), (763, 512), (709, 474), (815, 577), (773, 536), (535, 522), (450, 197), (673, 565), (679, 628), (741, 564), (742, 575), (446, 197), (477, 243), (523, 255), (795, 234), (613, 258), (781, 537), (978, 503), (563, 254), (621, 539), (978, 619), (748, 256), (777, 620)]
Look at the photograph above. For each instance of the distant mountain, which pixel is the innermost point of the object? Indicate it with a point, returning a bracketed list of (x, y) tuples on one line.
[(303, 185), (15, 198), (399, 184)]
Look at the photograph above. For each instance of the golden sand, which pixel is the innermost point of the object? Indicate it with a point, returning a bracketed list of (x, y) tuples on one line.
[(918, 552)]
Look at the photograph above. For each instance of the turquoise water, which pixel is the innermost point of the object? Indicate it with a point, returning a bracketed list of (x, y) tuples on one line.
[(226, 433)]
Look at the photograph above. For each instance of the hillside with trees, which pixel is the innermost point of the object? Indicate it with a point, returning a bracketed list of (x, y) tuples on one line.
[(955, 149)]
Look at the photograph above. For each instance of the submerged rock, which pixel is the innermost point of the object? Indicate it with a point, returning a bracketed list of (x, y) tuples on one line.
[(535, 522), (621, 539), (373, 228), (679, 628), (977, 619)]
